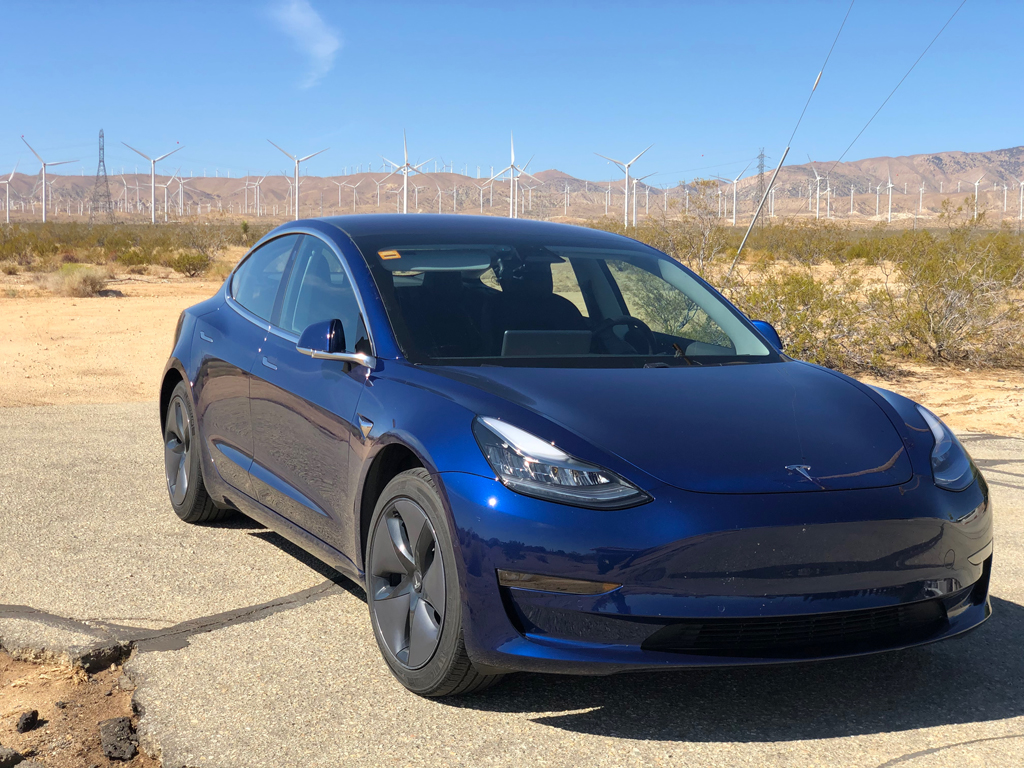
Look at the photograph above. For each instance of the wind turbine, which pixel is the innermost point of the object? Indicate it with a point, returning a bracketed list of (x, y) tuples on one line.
[(512, 168), (152, 180), (354, 186), (298, 160), (734, 182), (817, 196), (259, 194), (7, 190), (975, 196), (636, 181), (481, 188), (165, 186), (405, 168), (181, 195), (624, 167), (45, 165), (888, 188)]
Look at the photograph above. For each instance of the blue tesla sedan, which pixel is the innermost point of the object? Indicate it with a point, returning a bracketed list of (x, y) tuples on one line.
[(549, 448)]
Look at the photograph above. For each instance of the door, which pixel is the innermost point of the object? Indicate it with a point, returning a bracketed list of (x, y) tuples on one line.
[(227, 341), (303, 410)]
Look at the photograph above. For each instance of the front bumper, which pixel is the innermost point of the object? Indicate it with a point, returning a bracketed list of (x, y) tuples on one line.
[(711, 579)]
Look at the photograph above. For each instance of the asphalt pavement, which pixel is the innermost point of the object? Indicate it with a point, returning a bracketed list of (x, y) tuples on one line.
[(249, 652)]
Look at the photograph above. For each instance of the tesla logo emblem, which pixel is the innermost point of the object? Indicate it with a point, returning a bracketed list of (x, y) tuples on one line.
[(802, 469)]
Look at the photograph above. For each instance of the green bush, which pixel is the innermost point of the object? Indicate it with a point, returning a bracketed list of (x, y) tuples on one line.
[(190, 263)]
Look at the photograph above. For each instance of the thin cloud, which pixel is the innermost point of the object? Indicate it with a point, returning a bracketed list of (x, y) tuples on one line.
[(311, 35)]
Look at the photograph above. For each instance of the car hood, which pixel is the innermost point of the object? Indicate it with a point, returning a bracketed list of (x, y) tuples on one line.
[(755, 428)]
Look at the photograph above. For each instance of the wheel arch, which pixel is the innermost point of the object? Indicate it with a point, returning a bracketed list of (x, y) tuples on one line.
[(393, 458), (173, 375)]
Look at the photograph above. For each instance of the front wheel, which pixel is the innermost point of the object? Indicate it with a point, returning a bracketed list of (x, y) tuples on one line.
[(412, 589), (182, 467)]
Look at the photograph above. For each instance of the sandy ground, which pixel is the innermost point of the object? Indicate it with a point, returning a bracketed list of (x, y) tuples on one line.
[(67, 736), (112, 349)]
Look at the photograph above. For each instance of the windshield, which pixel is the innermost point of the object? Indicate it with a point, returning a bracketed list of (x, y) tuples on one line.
[(553, 305)]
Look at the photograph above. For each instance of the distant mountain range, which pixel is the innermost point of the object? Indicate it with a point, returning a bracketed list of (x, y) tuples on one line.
[(940, 171)]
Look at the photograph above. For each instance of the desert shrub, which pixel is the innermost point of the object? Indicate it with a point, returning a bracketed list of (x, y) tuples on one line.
[(952, 297), (80, 282), (138, 269), (10, 267), (818, 315), (135, 257), (190, 263), (220, 269)]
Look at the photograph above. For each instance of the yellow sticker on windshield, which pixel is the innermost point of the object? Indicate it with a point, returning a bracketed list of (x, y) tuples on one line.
[(386, 255)]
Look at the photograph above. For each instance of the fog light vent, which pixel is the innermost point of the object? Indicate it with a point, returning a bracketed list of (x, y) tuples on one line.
[(541, 583)]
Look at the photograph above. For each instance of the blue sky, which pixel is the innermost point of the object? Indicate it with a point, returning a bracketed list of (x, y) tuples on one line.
[(706, 83)]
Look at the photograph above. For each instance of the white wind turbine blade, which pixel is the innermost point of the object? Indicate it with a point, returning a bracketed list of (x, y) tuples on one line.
[(11, 177), (977, 182), (500, 173), (391, 162), (163, 156), (133, 149), (417, 167), (307, 157), (62, 162), (405, 147), (617, 162), (734, 180), (33, 151), (286, 154), (639, 156)]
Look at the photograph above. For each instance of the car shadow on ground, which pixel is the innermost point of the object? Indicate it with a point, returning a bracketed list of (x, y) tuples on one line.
[(973, 678), (311, 561)]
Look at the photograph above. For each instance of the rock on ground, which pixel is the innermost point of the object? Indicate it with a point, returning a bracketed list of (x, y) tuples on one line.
[(118, 739)]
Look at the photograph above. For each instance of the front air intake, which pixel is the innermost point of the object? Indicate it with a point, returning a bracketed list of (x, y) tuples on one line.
[(816, 634)]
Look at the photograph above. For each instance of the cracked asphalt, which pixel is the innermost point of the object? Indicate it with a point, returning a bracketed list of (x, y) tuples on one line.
[(248, 652)]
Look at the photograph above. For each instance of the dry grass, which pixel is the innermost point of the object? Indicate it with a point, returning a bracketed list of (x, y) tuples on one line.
[(78, 282)]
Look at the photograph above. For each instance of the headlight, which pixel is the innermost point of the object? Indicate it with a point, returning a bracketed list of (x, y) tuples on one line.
[(531, 466), (951, 465)]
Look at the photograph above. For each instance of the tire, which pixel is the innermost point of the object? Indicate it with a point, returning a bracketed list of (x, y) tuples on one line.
[(412, 590), (182, 466)]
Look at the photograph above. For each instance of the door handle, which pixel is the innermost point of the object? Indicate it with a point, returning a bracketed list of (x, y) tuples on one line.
[(204, 337), (269, 364)]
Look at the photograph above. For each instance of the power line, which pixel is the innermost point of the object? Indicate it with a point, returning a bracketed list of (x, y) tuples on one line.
[(820, 72), (898, 85)]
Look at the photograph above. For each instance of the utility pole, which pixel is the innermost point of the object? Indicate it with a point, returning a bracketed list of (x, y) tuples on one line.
[(760, 183), (100, 200)]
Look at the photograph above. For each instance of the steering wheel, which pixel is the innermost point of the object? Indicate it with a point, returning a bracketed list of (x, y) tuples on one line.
[(632, 322)]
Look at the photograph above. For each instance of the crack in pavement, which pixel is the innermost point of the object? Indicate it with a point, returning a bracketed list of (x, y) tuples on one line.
[(933, 750), (116, 641)]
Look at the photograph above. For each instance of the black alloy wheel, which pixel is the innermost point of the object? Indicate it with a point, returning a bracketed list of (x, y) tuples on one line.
[(182, 466), (408, 583), (412, 589)]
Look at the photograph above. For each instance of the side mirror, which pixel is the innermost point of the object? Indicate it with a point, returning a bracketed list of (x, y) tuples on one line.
[(768, 331), (326, 341)]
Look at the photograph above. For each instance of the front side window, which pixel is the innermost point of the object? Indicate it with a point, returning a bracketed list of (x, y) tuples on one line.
[(319, 289), (553, 304), (257, 280)]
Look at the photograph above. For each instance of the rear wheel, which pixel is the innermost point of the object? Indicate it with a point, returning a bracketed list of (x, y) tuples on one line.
[(413, 591), (182, 468)]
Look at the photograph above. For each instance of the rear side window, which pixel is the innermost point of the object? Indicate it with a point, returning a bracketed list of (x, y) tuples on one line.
[(258, 278)]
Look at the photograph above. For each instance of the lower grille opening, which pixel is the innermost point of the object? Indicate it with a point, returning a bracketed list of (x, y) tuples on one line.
[(806, 636)]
